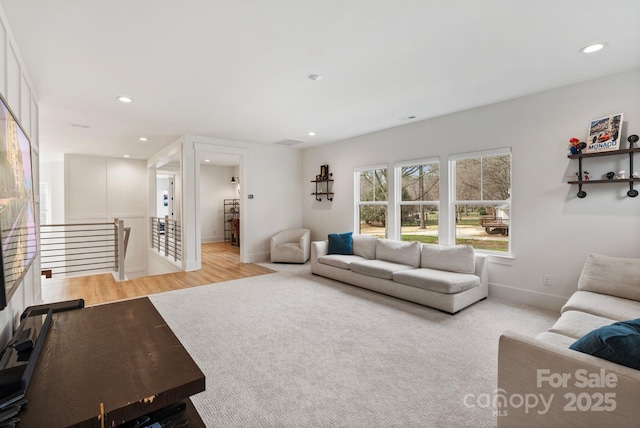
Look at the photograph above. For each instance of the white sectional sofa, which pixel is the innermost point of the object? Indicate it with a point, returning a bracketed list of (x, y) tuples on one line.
[(581, 389), (448, 278)]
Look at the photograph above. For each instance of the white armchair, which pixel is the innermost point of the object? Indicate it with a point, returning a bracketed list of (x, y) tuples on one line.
[(291, 246)]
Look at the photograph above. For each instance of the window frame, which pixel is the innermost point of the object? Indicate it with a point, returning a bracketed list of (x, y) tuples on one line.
[(398, 202), (453, 201), (358, 203)]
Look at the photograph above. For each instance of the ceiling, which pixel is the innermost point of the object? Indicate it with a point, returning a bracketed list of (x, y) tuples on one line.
[(238, 70)]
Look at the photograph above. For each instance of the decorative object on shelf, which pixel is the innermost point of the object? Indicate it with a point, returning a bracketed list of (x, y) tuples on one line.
[(235, 180), (576, 146), (622, 175), (610, 175), (586, 176), (633, 139), (324, 172), (604, 134), (635, 175)]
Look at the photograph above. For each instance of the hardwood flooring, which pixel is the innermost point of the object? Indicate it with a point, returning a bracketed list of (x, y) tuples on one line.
[(220, 262)]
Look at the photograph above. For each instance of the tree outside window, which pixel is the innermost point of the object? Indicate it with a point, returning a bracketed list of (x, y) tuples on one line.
[(372, 201), (482, 202), (420, 198)]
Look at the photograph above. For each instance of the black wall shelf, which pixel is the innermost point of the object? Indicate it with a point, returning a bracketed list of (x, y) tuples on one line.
[(632, 193), (323, 190)]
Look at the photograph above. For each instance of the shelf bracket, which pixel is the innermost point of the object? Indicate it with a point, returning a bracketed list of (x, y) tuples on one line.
[(581, 193), (632, 193)]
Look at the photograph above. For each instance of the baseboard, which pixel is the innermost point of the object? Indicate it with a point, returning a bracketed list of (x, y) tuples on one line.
[(258, 257), (527, 297)]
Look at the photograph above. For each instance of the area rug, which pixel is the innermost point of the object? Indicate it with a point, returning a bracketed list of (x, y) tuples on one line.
[(291, 349)]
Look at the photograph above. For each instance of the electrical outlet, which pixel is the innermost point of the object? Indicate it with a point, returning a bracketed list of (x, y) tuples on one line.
[(546, 279)]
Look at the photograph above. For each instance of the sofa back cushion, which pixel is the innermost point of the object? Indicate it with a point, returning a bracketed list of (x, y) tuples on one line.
[(364, 246), (614, 276), (458, 258), (406, 253)]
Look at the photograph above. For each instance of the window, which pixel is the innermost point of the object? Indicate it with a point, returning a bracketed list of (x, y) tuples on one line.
[(418, 188), (481, 199), (371, 200)]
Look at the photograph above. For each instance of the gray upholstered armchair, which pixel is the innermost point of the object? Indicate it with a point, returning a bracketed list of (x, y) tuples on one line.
[(291, 246)]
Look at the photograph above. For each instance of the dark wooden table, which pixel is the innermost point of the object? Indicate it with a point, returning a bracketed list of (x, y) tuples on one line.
[(104, 365)]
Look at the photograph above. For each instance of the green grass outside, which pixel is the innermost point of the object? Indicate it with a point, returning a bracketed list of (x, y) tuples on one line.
[(421, 238), (478, 244)]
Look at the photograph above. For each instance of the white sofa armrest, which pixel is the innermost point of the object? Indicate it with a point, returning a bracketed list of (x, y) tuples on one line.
[(557, 380), (481, 269), (318, 249)]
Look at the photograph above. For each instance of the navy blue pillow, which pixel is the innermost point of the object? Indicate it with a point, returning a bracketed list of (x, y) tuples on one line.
[(618, 342), (341, 243)]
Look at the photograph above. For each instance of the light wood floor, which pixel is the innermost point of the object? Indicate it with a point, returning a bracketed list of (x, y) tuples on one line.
[(220, 262)]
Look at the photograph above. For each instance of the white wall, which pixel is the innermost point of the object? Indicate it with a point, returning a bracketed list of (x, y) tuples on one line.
[(552, 230), (99, 189), (270, 193), (52, 173), (162, 186), (215, 187), (17, 89)]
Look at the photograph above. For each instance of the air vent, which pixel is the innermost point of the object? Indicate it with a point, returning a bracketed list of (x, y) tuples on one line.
[(290, 142)]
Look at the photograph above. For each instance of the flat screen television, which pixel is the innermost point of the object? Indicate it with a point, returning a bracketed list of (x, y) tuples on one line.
[(18, 240)]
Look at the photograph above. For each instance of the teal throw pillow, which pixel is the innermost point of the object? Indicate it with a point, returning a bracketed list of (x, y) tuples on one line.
[(341, 243), (618, 342)]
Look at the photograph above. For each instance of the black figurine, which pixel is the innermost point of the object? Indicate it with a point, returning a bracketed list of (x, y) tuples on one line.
[(610, 175)]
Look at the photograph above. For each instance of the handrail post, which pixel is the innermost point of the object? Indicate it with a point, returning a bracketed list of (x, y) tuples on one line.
[(175, 243), (121, 254), (166, 235), (116, 259)]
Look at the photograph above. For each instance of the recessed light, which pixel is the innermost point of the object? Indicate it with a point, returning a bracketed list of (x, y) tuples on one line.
[(127, 156), (125, 99), (312, 134), (143, 139), (80, 125), (594, 47), (207, 160), (315, 77)]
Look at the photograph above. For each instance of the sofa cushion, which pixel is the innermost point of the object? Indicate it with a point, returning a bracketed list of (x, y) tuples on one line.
[(341, 261), (556, 339), (398, 251), (618, 342), (378, 268), (616, 308), (340, 243), (458, 258), (576, 324), (365, 246), (437, 280), (614, 276)]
